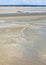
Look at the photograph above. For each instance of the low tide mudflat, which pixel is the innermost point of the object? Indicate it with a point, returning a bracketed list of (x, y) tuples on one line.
[(23, 41)]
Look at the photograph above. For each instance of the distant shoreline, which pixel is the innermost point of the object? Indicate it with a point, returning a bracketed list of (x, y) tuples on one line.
[(22, 5)]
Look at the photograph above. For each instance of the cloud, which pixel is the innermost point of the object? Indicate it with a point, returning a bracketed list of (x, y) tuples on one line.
[(22, 2)]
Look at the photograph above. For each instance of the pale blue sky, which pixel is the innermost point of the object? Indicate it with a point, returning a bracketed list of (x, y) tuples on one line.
[(22, 2)]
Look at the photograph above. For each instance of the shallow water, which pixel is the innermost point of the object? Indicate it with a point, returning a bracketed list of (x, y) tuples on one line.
[(23, 43)]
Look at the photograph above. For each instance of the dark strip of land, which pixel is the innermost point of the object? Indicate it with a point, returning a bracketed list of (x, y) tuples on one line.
[(23, 5)]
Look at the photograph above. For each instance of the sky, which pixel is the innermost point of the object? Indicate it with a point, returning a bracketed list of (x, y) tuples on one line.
[(22, 2)]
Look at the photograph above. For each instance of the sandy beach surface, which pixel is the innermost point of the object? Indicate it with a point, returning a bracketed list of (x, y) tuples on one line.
[(23, 9), (23, 40)]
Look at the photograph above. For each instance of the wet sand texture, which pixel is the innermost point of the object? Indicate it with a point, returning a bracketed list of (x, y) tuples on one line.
[(23, 43)]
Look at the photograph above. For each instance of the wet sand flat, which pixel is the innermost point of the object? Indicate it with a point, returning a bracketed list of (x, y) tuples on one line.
[(23, 9), (23, 41), (23, 18)]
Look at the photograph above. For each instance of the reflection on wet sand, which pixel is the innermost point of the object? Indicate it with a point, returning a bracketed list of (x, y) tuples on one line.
[(23, 43)]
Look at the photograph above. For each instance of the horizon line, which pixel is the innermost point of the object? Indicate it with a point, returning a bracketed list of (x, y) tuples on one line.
[(24, 5)]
